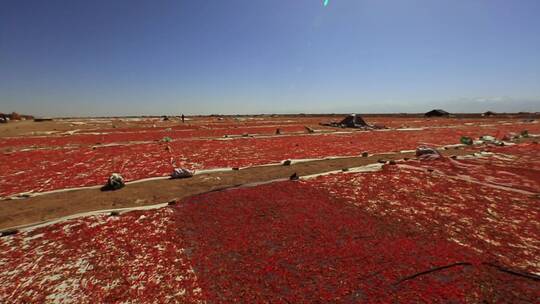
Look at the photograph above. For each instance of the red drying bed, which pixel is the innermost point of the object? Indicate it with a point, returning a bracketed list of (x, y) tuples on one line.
[(398, 122), (516, 167), (43, 170), (98, 259), (282, 242), (289, 243), (109, 136), (131, 135), (457, 200), (228, 123)]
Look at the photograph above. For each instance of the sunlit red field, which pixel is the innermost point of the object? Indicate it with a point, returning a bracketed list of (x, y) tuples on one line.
[(86, 158), (452, 230)]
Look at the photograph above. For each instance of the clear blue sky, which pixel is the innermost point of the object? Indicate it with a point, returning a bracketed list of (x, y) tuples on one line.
[(259, 56)]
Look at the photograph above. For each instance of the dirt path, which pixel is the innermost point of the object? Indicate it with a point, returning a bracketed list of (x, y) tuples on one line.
[(55, 205), (32, 128)]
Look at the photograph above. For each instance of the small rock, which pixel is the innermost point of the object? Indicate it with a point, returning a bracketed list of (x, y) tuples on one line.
[(294, 176), (9, 232), (181, 173), (287, 162), (365, 154), (115, 182), (466, 140)]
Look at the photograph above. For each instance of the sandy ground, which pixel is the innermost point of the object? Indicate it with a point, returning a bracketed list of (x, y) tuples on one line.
[(31, 128), (55, 205)]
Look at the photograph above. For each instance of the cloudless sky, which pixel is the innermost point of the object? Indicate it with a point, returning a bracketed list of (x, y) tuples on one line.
[(130, 57)]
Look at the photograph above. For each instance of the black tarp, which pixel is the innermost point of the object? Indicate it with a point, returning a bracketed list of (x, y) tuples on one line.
[(437, 113), (353, 121)]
